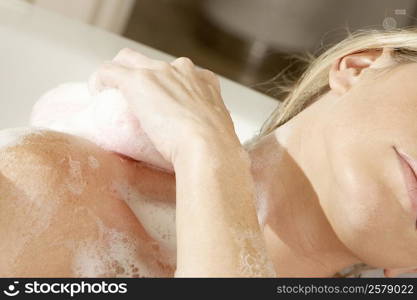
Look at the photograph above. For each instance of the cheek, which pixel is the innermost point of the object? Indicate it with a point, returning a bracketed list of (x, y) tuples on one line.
[(365, 207)]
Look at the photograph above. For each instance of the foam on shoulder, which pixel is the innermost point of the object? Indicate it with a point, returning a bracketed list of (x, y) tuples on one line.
[(157, 218), (16, 136)]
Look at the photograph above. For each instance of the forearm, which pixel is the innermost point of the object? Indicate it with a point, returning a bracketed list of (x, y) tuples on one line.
[(218, 233)]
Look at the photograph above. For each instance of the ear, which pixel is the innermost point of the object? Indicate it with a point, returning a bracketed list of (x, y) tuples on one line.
[(346, 71)]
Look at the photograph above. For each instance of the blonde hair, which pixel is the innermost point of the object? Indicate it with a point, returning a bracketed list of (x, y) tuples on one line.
[(315, 80)]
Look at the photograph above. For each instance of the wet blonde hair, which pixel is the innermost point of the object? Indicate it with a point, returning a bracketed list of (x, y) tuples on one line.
[(315, 82)]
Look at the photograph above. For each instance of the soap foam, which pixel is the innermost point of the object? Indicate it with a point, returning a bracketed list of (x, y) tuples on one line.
[(75, 181), (94, 259), (253, 259), (111, 253), (104, 118), (261, 204), (157, 218), (16, 136), (33, 218), (116, 256), (93, 162)]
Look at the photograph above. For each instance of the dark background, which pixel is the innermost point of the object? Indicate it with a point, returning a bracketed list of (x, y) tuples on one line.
[(251, 41)]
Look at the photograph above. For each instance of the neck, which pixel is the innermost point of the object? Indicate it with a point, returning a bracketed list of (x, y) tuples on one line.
[(299, 237)]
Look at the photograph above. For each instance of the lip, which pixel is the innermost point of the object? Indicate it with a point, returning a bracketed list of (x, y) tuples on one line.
[(409, 169)]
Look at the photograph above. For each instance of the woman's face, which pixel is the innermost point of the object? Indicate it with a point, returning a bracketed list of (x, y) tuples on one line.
[(367, 189)]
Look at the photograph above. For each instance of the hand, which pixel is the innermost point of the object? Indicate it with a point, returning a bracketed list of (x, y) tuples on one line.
[(176, 104)]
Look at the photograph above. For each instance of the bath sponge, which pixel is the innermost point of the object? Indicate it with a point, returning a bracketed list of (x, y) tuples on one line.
[(103, 118)]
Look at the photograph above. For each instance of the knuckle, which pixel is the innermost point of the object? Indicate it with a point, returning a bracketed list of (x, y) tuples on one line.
[(185, 61)]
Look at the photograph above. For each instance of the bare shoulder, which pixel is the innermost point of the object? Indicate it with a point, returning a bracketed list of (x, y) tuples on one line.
[(63, 156), (62, 212)]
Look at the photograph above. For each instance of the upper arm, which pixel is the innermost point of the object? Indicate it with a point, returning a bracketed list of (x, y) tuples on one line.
[(53, 217), (60, 217), (41, 189)]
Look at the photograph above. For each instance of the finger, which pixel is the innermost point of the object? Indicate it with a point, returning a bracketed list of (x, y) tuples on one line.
[(186, 65), (184, 71), (183, 65), (210, 77), (132, 59), (213, 82), (112, 75), (220, 101)]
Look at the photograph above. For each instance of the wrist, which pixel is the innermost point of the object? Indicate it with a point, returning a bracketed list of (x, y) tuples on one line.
[(220, 149)]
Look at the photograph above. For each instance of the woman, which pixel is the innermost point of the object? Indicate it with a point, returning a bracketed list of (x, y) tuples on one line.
[(328, 183)]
